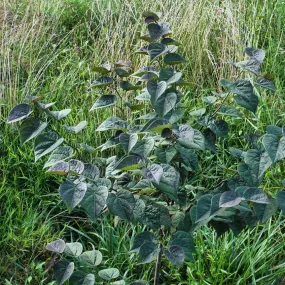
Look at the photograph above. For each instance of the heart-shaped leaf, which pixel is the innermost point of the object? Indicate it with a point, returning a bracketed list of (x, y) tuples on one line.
[(153, 173), (175, 255), (71, 193), (157, 30), (113, 123), (229, 199), (174, 58), (73, 249), (280, 197), (76, 129), (165, 103), (102, 81), (155, 89), (186, 242), (255, 53), (19, 112), (58, 155), (59, 115), (91, 258), (103, 68), (57, 246), (46, 143), (94, 200), (141, 239), (31, 128), (256, 195), (62, 271), (266, 83), (155, 50), (121, 204), (274, 147), (109, 273), (203, 207), (80, 278), (59, 168), (104, 101), (130, 162), (128, 141)]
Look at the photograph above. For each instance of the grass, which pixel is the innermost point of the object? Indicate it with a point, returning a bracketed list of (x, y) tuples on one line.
[(49, 48)]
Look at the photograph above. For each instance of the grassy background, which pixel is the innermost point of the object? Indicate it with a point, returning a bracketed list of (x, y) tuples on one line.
[(49, 49)]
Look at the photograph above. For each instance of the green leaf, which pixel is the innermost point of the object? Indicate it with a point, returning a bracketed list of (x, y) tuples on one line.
[(243, 91), (184, 132), (256, 195), (143, 184), (258, 163), (46, 143), (58, 115), (175, 115), (156, 49), (94, 200), (274, 147), (198, 113), (59, 168), (255, 53), (127, 86), (73, 249), (121, 204), (165, 103), (80, 278), (173, 58), (76, 167), (203, 207), (44, 106), (113, 123), (236, 152), (168, 75), (128, 141), (197, 141), (153, 173), (103, 68), (122, 72), (31, 128), (185, 241), (169, 41), (209, 99), (91, 258), (155, 15), (130, 162), (109, 273), (266, 83), (62, 271), (111, 142), (141, 239), (19, 112), (175, 255), (71, 193), (280, 197), (274, 130), (142, 71), (229, 199), (104, 101), (219, 127), (157, 30), (169, 182), (58, 155), (148, 252), (210, 139), (188, 156), (157, 125), (143, 50), (91, 171), (251, 65), (165, 155), (57, 246), (155, 89), (102, 81), (229, 111), (75, 129), (265, 211), (144, 147)]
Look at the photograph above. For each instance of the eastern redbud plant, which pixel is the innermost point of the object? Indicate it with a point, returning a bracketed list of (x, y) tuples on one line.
[(147, 180)]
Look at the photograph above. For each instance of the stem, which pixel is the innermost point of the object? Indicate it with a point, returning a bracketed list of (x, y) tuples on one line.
[(158, 266), (223, 101)]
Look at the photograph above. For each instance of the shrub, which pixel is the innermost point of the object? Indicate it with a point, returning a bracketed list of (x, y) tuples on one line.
[(156, 152)]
